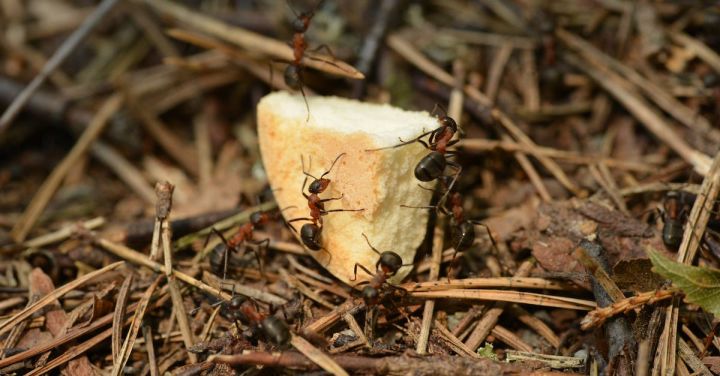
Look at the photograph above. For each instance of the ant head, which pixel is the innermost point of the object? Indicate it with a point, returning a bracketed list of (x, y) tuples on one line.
[(292, 77), (259, 218), (319, 185), (389, 263), (370, 295), (276, 330), (310, 236), (448, 122)]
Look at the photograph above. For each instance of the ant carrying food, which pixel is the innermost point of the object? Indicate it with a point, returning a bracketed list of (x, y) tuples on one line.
[(433, 165), (310, 233), (387, 266), (220, 254)]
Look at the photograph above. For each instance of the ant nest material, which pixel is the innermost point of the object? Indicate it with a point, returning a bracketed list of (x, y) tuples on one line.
[(376, 181)]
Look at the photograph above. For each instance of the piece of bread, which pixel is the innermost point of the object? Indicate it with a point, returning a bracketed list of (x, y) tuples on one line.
[(376, 181)]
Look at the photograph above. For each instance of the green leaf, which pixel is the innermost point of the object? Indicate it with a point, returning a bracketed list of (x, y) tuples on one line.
[(487, 351), (700, 285)]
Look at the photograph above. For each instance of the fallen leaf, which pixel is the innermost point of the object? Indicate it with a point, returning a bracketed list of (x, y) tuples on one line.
[(700, 285)]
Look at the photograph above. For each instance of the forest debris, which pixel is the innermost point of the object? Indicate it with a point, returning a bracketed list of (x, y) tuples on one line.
[(552, 361)]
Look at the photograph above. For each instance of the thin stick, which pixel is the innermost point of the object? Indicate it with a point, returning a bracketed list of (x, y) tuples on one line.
[(429, 308), (124, 170), (491, 317), (50, 185), (150, 349), (474, 283), (318, 357), (63, 233), (250, 40), (67, 47), (127, 346), (164, 191)]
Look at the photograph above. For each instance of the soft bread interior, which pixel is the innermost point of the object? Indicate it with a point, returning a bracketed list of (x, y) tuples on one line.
[(376, 181)]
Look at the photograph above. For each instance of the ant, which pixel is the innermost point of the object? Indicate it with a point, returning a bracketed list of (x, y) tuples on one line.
[(294, 71), (462, 233), (672, 232), (310, 233), (433, 165), (387, 266), (221, 253), (272, 328)]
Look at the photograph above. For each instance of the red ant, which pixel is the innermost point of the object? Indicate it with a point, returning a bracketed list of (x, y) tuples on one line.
[(273, 328), (462, 229), (310, 232), (294, 71), (387, 266), (432, 166), (244, 234)]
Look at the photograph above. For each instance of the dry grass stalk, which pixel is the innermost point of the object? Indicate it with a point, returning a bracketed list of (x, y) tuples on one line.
[(508, 296), (57, 293), (127, 346), (50, 185), (63, 233), (536, 324), (318, 357), (119, 317), (150, 349), (455, 344), (128, 173), (510, 338), (474, 283)]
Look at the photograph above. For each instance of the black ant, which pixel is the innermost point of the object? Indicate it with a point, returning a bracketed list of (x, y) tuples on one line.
[(672, 232), (387, 266), (433, 165), (221, 253), (310, 233)]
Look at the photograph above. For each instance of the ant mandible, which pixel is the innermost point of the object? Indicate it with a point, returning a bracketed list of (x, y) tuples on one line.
[(310, 233), (433, 165), (387, 266)]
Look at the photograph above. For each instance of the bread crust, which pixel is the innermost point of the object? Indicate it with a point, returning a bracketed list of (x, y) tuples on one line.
[(377, 182)]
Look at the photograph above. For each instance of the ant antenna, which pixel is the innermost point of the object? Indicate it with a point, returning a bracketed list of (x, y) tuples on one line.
[(332, 165), (292, 9), (438, 105), (368, 242), (302, 162)]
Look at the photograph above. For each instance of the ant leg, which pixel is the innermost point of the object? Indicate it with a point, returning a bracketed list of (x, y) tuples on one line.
[(366, 270), (307, 174), (341, 210), (370, 245), (403, 143), (490, 235), (453, 142), (307, 105), (292, 9), (323, 47), (452, 183), (332, 165), (226, 254), (265, 243), (332, 198)]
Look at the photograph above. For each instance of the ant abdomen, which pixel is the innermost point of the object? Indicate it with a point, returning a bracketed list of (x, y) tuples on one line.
[(292, 77), (310, 235), (430, 167), (276, 330), (463, 236)]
